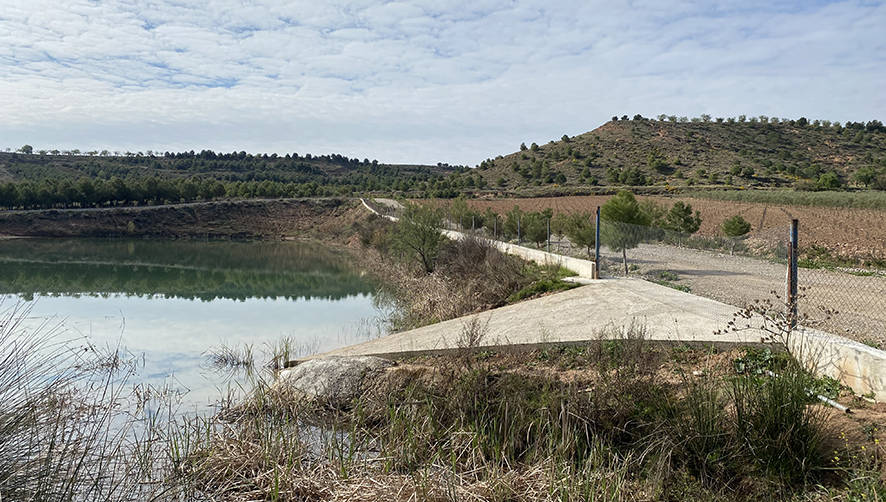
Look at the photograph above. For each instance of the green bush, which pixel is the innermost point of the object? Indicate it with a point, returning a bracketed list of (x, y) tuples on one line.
[(418, 236)]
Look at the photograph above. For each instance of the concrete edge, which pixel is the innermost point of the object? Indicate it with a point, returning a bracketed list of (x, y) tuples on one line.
[(854, 364), (525, 347)]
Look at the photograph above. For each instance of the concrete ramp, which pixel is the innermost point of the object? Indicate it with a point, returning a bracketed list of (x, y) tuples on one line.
[(602, 307)]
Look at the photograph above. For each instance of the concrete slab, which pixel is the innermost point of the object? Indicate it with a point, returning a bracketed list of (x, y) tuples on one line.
[(602, 308), (580, 314)]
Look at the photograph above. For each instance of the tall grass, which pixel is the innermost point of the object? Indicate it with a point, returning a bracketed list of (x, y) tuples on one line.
[(65, 431), (470, 275), (461, 427)]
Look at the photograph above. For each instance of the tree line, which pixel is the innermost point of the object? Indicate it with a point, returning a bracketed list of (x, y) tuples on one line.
[(625, 223), (869, 126), (54, 194)]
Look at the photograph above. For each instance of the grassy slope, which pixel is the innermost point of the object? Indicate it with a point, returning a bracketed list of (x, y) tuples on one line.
[(692, 150)]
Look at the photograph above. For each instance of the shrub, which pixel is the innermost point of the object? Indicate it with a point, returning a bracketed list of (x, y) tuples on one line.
[(622, 214), (736, 226), (783, 434), (581, 230), (418, 235), (829, 181)]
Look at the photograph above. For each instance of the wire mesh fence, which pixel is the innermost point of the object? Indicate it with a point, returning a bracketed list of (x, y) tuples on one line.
[(837, 298), (843, 300)]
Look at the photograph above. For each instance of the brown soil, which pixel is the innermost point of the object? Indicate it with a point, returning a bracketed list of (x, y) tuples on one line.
[(246, 219)]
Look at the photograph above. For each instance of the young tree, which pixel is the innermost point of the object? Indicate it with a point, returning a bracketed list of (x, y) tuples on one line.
[(418, 234), (865, 175), (580, 229), (680, 219), (737, 228), (460, 212), (559, 222), (829, 181), (623, 214), (492, 223), (535, 228), (512, 226)]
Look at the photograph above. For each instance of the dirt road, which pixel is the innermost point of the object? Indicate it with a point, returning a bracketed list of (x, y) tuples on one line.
[(859, 302)]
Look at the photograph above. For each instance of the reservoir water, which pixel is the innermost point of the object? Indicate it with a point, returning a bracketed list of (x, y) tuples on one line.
[(167, 304)]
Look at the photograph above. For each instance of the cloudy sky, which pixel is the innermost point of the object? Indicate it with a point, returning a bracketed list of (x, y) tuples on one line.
[(424, 81)]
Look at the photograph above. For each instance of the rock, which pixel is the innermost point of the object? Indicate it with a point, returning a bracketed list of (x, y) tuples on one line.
[(333, 381)]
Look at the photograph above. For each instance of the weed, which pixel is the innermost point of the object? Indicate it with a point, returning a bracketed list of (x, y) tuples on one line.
[(783, 435), (540, 287)]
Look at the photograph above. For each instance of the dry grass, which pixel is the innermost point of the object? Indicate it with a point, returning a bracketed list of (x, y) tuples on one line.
[(615, 420), (470, 276)]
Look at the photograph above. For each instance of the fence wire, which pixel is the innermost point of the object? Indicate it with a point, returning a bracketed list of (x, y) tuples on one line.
[(838, 299), (842, 300)]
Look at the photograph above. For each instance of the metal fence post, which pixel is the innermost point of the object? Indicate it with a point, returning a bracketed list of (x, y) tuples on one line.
[(792, 276), (519, 221), (495, 227), (472, 223), (597, 244), (549, 235)]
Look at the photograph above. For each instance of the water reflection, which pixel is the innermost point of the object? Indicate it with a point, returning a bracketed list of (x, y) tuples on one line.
[(177, 269), (174, 300)]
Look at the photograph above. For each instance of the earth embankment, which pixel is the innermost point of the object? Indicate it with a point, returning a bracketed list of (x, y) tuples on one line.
[(245, 219)]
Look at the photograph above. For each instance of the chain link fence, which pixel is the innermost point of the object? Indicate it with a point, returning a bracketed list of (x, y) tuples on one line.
[(843, 300), (837, 298)]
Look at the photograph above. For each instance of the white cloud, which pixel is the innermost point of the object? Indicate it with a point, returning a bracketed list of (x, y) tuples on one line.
[(421, 81)]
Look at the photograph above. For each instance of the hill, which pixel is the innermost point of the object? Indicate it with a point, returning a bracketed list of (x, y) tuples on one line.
[(671, 152), (52, 179)]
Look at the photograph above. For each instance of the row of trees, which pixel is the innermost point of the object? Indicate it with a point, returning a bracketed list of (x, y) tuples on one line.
[(869, 126), (625, 223), (87, 192)]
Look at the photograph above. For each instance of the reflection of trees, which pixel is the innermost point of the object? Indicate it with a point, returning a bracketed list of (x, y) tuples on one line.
[(185, 269)]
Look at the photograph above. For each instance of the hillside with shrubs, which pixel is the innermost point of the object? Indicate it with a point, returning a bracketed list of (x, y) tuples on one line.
[(676, 152)]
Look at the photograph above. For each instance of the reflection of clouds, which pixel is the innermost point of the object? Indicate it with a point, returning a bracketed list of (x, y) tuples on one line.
[(174, 334), (405, 81)]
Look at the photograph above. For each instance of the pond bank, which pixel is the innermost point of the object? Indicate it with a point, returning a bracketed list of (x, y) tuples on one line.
[(228, 219)]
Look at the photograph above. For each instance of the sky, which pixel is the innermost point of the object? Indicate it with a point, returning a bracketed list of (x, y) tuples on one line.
[(452, 81)]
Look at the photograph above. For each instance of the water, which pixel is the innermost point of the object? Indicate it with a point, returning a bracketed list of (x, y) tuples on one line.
[(166, 303)]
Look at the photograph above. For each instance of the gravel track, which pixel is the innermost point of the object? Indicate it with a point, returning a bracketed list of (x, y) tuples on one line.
[(859, 301)]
